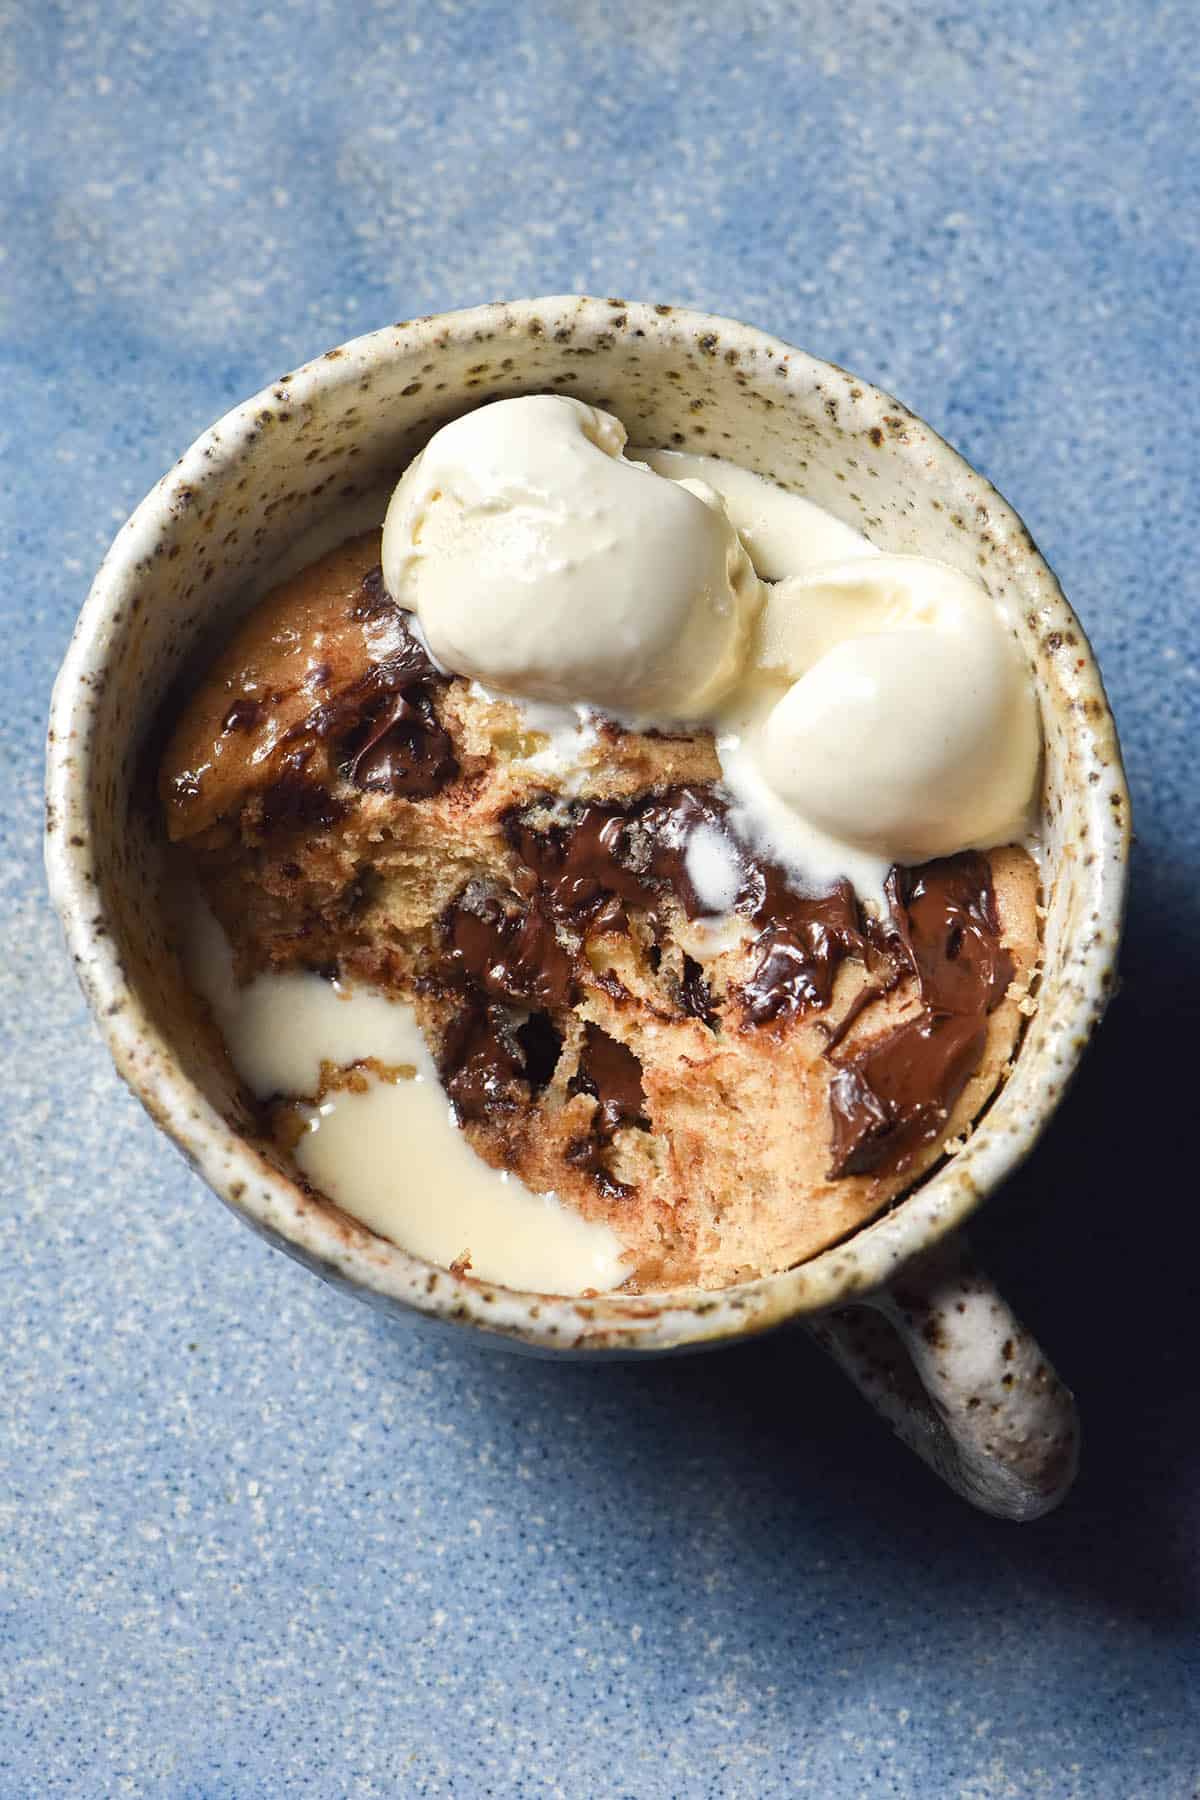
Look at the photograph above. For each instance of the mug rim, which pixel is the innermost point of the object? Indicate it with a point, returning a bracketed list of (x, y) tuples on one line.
[(375, 1268)]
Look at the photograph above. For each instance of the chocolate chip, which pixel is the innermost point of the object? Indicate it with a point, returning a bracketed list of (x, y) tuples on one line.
[(695, 995), (507, 948)]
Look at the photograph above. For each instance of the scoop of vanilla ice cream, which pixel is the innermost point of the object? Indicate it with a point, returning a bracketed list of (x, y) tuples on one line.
[(912, 730), (541, 562)]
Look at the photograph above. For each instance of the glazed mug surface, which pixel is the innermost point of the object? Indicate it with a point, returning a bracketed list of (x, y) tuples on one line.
[(899, 1304)]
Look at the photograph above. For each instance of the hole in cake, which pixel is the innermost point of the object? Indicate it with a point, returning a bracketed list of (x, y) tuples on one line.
[(541, 1045)]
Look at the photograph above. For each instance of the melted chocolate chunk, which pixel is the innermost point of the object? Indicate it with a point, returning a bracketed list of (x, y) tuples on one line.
[(384, 724), (580, 867), (638, 854), (784, 980), (294, 801), (800, 948), (945, 916), (695, 995), (243, 715), (895, 1095), (184, 787), (404, 750), (509, 951), (607, 857), (668, 824), (503, 956), (861, 1121), (587, 1154), (803, 941), (374, 599), (886, 1101), (609, 1070), (482, 1065), (633, 853)]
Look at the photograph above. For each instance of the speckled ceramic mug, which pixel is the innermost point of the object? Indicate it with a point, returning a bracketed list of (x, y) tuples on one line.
[(915, 1325)]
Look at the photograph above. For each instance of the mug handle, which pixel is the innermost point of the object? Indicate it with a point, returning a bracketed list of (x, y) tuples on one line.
[(946, 1361)]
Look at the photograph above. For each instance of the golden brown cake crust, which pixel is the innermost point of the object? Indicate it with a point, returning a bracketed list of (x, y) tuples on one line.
[(318, 844)]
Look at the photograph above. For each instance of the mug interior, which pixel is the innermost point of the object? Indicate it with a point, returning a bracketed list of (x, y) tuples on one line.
[(313, 457)]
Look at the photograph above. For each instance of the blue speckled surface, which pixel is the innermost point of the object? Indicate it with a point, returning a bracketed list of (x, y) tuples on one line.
[(255, 1542)]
